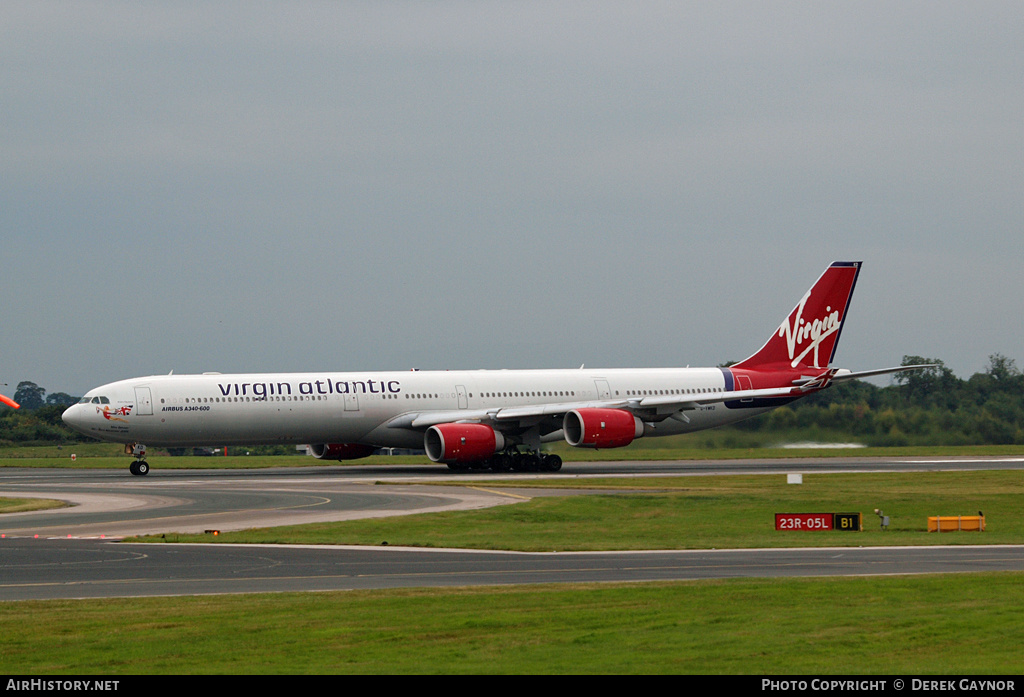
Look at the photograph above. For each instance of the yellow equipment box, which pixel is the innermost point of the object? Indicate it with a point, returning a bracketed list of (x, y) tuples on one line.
[(953, 523)]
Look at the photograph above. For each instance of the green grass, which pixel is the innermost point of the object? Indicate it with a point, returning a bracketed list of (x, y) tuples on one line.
[(22, 505), (59, 452), (186, 462), (956, 624), (690, 513)]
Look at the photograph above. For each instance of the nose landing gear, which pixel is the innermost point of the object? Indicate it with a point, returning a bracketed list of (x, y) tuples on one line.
[(140, 467)]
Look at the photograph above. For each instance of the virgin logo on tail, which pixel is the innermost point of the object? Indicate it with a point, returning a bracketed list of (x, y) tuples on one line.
[(807, 338), (816, 330)]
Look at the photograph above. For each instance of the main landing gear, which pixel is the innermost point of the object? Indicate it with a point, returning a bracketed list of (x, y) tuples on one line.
[(140, 467), (512, 461)]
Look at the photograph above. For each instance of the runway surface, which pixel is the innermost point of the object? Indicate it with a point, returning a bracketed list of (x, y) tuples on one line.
[(68, 553), (61, 568)]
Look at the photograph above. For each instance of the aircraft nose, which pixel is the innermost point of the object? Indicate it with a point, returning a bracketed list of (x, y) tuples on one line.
[(72, 416)]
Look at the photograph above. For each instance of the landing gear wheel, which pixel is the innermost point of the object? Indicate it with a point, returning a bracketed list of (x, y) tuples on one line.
[(552, 463), (501, 463), (140, 467)]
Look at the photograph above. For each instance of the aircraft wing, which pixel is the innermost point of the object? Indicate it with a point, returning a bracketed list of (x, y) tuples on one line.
[(424, 420), (653, 407)]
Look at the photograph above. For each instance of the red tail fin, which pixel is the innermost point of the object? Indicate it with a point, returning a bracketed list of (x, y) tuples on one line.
[(809, 336)]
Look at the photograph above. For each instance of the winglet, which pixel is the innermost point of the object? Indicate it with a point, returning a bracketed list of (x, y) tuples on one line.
[(9, 402)]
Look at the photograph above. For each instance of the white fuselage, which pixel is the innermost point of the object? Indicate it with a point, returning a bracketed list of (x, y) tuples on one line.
[(381, 409)]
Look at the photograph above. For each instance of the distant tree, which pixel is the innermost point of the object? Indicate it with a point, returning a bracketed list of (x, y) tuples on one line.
[(49, 414), (853, 392), (1001, 368), (60, 399), (936, 385), (29, 395)]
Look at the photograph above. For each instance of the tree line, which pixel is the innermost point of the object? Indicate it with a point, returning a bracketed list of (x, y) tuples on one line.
[(38, 420), (924, 407)]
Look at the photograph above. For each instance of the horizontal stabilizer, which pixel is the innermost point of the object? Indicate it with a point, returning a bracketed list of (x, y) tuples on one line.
[(845, 375)]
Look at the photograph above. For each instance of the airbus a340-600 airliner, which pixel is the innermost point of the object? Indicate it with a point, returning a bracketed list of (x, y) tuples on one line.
[(494, 419)]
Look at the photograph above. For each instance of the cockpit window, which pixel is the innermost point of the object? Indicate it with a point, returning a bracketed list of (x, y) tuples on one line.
[(104, 400)]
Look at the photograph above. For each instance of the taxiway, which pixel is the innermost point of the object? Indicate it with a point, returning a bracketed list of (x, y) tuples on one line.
[(70, 552)]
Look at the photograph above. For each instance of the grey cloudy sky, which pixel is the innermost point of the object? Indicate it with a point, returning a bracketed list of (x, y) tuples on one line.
[(380, 185)]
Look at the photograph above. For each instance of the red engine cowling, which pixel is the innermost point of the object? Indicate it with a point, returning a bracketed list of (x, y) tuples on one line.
[(462, 442), (601, 428), (340, 451)]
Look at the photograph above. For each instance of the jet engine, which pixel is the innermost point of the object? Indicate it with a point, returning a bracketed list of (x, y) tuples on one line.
[(340, 451), (462, 442), (601, 428)]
